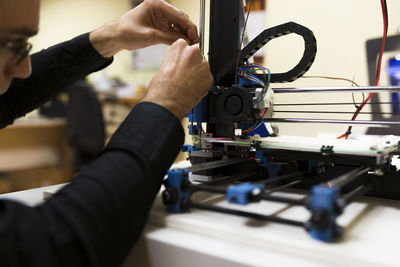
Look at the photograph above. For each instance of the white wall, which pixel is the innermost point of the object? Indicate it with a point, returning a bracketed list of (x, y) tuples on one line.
[(341, 28), (61, 20)]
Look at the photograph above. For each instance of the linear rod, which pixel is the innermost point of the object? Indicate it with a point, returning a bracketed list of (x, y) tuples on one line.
[(356, 193), (247, 214), (216, 164), (331, 112), (282, 178), (210, 187), (333, 104), (231, 178), (202, 25), (287, 200), (348, 177), (279, 188), (369, 89), (348, 122)]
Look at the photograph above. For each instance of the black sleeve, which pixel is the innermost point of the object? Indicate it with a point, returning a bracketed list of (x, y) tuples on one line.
[(95, 220), (53, 69)]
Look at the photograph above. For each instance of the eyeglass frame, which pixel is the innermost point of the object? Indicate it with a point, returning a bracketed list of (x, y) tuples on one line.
[(22, 50)]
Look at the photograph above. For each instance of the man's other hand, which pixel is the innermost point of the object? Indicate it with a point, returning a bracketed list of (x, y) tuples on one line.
[(152, 22), (183, 80)]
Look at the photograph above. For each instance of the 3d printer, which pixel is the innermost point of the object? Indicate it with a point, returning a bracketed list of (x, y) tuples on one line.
[(237, 151)]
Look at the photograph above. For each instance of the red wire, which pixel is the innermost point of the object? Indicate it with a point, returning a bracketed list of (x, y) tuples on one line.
[(265, 112), (247, 131), (378, 76), (252, 129)]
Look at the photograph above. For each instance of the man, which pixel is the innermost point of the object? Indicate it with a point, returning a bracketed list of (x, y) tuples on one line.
[(95, 220)]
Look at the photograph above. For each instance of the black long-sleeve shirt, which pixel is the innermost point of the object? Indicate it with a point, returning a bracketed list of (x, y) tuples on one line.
[(94, 220)]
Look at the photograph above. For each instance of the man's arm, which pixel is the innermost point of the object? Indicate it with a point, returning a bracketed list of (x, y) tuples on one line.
[(53, 69), (96, 218)]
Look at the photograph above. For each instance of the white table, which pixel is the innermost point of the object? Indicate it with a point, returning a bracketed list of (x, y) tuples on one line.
[(203, 238)]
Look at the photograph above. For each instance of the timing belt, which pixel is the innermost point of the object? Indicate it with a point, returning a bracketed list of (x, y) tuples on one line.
[(227, 73)]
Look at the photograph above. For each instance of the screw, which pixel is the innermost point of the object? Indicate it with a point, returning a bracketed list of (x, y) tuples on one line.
[(320, 219), (166, 197), (185, 204)]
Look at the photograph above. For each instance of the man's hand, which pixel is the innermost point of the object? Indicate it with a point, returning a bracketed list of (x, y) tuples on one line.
[(152, 22), (182, 81)]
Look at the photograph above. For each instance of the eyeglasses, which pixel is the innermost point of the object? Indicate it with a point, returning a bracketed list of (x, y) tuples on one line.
[(18, 46)]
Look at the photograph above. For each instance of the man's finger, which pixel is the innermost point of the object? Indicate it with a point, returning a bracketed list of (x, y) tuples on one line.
[(196, 53), (177, 17), (194, 38), (170, 37)]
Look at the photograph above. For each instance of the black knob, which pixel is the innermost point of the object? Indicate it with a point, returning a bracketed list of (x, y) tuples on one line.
[(320, 219), (185, 204), (169, 196)]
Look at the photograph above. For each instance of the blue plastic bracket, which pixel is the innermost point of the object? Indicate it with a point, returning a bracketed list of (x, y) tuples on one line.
[(194, 129), (316, 167), (272, 168), (189, 148), (240, 194), (323, 206), (173, 185)]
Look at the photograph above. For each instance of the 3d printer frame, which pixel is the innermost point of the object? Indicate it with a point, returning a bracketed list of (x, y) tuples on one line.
[(247, 170)]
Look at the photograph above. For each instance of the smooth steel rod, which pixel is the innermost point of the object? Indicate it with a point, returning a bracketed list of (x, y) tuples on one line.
[(210, 187), (216, 164), (202, 25), (282, 178), (267, 218), (331, 112), (231, 178), (287, 200), (348, 177), (333, 104), (279, 188), (369, 89), (356, 193), (348, 122)]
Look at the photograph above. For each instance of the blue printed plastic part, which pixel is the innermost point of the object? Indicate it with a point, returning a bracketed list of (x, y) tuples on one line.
[(199, 112), (186, 148), (189, 148), (244, 82), (272, 168), (261, 130), (324, 198), (239, 194), (393, 70), (175, 180), (316, 167), (194, 129)]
